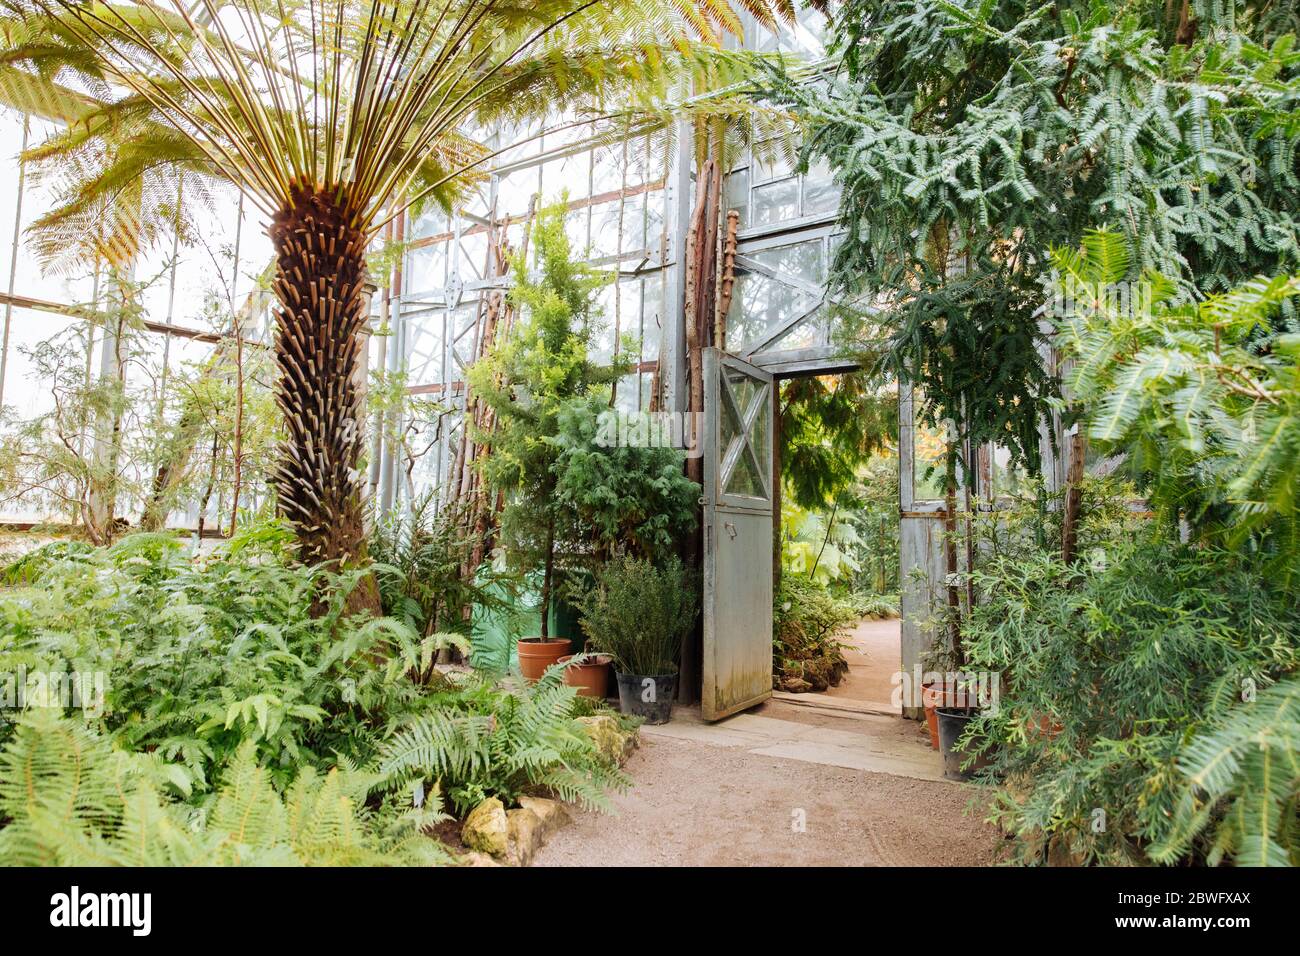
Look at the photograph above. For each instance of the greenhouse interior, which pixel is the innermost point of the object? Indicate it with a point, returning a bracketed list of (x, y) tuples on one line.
[(650, 432)]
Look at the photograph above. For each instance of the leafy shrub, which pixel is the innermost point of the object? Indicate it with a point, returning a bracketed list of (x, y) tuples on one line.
[(876, 606), (199, 656), (806, 623), (218, 666), (1111, 669), (638, 612), (624, 498)]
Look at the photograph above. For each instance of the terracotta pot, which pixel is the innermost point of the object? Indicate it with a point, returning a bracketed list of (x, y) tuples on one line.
[(535, 654), (1043, 725), (591, 678), (936, 694)]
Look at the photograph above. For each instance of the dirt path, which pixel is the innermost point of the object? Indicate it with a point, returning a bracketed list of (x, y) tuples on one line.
[(694, 804), (873, 650)]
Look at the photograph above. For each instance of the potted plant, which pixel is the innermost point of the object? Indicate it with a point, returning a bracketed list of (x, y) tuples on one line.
[(589, 672), (953, 722), (538, 653), (638, 612), (524, 383)]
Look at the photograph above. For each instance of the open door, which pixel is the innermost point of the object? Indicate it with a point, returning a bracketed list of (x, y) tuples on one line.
[(738, 408)]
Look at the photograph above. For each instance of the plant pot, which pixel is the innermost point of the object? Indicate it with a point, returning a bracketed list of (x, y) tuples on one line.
[(935, 694), (1043, 725), (591, 678), (535, 654), (647, 696), (952, 724), (928, 701)]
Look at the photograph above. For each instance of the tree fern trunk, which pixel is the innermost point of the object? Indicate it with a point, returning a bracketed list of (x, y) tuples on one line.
[(320, 282)]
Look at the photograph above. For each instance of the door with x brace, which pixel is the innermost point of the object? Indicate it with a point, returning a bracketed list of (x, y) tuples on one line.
[(738, 407)]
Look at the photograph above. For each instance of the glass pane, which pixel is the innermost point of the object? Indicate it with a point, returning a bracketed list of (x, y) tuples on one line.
[(426, 271), (1007, 479), (770, 162), (743, 478), (821, 194), (928, 448), (424, 349), (604, 229), (805, 334), (515, 190), (737, 194), (464, 328), (431, 221), (776, 202)]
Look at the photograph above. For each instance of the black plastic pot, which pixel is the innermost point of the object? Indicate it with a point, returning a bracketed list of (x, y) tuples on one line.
[(952, 724), (647, 696)]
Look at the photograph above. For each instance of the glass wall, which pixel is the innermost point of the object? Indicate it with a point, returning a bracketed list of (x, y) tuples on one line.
[(185, 293), (428, 318)]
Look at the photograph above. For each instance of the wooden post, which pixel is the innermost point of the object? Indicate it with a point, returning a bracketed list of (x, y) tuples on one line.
[(1073, 498)]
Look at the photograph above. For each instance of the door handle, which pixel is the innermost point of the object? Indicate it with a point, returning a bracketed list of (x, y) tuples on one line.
[(731, 529)]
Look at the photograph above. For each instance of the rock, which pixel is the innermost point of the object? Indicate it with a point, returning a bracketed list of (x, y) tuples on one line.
[(551, 813), (525, 831), (795, 685), (612, 742), (486, 828), (477, 859)]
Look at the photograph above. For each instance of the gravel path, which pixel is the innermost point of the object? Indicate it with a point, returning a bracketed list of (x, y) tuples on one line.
[(695, 804)]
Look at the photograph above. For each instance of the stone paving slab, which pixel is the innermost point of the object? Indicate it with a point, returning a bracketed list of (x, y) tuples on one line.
[(873, 745)]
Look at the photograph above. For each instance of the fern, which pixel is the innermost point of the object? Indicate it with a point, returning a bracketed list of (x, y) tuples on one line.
[(528, 740), (1242, 781), (244, 717), (1204, 398), (72, 799)]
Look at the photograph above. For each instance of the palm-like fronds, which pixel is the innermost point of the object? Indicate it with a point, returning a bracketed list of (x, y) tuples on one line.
[(332, 116), (1241, 780), (1204, 397)]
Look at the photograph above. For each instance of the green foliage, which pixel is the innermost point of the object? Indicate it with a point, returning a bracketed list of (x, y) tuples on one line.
[(970, 136), (625, 498), (831, 426), (482, 741), (638, 612), (874, 516), (200, 657), (421, 557), (527, 381), (237, 679), (806, 624), (1111, 670), (1202, 398), (874, 605), (818, 547), (1241, 772), (70, 798)]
